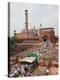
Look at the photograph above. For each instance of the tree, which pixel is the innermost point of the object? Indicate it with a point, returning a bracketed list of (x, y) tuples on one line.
[(13, 40)]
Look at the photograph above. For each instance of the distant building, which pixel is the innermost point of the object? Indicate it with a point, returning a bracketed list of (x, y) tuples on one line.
[(34, 35)]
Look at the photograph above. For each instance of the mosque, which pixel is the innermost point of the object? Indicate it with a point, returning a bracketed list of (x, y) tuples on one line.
[(34, 35), (29, 39)]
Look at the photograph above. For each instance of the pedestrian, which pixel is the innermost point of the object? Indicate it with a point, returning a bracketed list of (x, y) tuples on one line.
[(27, 73)]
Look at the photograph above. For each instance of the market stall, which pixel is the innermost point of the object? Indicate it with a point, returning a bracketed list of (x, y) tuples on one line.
[(28, 62)]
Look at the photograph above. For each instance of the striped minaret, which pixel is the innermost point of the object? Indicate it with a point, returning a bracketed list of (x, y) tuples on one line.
[(26, 22)]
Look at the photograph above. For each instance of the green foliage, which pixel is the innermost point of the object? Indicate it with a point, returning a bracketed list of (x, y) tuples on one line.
[(13, 40)]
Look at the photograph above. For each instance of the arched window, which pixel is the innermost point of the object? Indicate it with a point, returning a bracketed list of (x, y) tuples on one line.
[(45, 38)]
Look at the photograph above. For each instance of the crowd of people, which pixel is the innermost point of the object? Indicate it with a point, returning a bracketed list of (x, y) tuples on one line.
[(22, 70), (19, 70)]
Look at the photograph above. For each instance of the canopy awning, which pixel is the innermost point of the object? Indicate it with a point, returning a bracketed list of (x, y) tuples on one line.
[(28, 59)]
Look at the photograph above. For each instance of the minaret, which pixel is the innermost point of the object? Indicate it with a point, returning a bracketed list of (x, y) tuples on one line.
[(39, 31), (40, 26), (26, 22), (14, 32)]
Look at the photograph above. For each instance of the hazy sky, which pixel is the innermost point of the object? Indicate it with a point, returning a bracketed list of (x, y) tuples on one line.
[(47, 15)]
